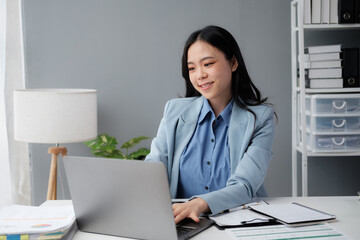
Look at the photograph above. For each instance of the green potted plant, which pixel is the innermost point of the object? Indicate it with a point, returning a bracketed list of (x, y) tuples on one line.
[(106, 146)]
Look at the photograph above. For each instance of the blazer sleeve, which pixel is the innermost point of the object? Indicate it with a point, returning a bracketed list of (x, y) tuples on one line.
[(159, 147), (248, 176)]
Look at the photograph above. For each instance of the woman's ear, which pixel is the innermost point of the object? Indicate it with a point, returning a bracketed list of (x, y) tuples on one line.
[(234, 64)]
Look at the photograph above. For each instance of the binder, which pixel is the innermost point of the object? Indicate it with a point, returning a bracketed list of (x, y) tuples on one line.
[(350, 70), (294, 214), (324, 83), (316, 11), (323, 73), (307, 12), (357, 11), (346, 11), (323, 64), (333, 11), (323, 49), (325, 11), (322, 56)]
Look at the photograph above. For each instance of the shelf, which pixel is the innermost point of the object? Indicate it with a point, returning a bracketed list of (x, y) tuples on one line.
[(326, 27), (299, 32), (347, 114), (330, 90), (333, 90), (325, 133), (328, 154), (340, 133)]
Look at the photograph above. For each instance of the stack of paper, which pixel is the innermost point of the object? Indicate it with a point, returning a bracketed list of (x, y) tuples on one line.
[(28, 222), (323, 66)]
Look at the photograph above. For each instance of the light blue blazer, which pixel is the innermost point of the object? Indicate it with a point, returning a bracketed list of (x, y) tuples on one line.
[(250, 145)]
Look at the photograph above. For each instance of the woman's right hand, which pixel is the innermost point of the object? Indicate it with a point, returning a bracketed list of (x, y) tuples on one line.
[(191, 209)]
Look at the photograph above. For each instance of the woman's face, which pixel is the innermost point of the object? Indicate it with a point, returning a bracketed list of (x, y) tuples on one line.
[(210, 72)]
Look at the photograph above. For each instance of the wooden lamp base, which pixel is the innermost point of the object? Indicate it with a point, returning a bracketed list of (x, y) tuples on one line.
[(54, 151)]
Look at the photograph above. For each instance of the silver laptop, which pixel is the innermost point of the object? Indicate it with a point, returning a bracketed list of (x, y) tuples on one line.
[(126, 198)]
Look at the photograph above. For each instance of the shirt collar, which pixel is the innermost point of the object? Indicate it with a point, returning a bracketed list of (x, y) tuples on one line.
[(206, 109), (226, 113)]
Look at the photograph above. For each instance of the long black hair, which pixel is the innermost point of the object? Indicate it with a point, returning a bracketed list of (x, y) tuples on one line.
[(243, 89)]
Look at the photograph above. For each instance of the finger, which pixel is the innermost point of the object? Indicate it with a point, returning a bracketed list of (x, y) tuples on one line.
[(182, 212), (175, 204), (177, 209), (186, 213), (179, 218), (194, 217)]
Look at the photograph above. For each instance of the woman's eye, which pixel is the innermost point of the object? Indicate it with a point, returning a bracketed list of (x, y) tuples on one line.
[(191, 68), (208, 64)]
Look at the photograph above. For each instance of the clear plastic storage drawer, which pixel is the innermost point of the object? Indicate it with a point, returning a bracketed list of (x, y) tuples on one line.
[(333, 123), (331, 103), (333, 143)]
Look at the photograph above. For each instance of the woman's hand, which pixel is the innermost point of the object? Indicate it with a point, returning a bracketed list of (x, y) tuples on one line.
[(191, 209)]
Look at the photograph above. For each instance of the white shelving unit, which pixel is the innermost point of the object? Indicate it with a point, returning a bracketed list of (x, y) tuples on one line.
[(298, 32)]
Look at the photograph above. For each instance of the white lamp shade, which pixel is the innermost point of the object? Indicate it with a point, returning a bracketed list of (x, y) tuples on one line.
[(55, 115)]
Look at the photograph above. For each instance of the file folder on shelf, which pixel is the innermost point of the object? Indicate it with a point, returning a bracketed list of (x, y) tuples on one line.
[(350, 67), (346, 11)]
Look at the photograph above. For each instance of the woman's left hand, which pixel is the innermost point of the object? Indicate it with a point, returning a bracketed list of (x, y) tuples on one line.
[(191, 209)]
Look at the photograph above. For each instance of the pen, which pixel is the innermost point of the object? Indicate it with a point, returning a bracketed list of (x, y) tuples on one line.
[(249, 204), (258, 220), (245, 206)]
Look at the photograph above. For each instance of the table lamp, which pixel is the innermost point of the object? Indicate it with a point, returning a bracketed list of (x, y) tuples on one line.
[(55, 116)]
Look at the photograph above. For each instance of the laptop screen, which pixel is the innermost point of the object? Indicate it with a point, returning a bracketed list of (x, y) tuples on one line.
[(126, 198)]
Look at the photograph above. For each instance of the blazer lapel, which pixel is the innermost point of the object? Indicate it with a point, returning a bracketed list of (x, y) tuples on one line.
[(186, 126), (239, 131)]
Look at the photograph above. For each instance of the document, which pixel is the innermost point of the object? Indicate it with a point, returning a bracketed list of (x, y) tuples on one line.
[(241, 216), (319, 231), (18, 219)]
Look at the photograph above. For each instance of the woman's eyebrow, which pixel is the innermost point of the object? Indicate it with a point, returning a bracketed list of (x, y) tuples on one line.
[(202, 59)]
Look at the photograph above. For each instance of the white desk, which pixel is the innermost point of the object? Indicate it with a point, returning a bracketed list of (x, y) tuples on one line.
[(346, 209)]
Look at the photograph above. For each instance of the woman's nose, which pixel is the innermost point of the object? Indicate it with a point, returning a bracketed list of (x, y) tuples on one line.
[(201, 74)]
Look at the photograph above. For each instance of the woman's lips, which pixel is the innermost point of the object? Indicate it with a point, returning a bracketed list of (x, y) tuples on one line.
[(206, 86)]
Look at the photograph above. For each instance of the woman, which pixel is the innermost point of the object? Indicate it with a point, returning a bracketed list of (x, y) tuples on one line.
[(216, 142)]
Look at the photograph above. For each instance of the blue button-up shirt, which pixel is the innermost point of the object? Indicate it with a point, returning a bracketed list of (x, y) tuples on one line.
[(205, 162)]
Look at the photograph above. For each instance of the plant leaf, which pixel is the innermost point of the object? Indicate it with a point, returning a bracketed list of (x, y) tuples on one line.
[(139, 154), (90, 142), (106, 146), (132, 142)]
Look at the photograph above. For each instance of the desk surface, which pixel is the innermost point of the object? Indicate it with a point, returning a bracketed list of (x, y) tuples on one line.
[(346, 209)]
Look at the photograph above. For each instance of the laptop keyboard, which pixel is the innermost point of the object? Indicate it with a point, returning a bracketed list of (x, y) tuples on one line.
[(188, 228), (182, 230)]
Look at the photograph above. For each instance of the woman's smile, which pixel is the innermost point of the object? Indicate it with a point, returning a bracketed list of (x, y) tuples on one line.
[(206, 86)]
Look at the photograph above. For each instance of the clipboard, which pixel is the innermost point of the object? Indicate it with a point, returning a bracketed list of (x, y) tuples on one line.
[(242, 216), (294, 214)]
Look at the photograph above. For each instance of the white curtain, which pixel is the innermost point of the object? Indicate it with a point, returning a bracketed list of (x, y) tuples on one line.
[(5, 183), (14, 155)]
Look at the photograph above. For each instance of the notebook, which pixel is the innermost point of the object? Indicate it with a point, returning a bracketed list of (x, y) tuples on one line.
[(293, 213), (126, 198)]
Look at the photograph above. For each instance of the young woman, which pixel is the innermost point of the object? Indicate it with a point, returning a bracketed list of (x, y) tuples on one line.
[(216, 142)]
